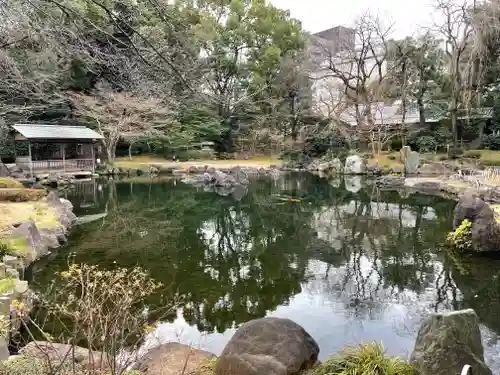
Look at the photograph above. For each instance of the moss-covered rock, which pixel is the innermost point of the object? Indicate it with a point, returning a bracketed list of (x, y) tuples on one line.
[(461, 237), (446, 342)]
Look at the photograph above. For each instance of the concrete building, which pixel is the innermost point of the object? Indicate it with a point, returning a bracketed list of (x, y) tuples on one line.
[(341, 48)]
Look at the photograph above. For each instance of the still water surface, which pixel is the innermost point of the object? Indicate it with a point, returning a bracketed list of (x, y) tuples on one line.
[(349, 262)]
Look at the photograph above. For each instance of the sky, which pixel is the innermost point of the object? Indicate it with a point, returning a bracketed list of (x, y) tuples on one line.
[(317, 15)]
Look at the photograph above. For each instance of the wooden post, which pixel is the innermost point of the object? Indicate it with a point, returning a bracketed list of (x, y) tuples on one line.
[(31, 158), (63, 152), (93, 156)]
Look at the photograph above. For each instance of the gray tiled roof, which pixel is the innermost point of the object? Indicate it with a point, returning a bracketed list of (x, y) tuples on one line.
[(39, 131), (392, 114)]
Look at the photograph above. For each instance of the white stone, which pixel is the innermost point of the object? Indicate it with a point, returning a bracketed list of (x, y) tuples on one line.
[(354, 164)]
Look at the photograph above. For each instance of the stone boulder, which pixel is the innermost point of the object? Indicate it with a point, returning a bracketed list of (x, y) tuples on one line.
[(485, 228), (271, 346), (173, 359), (27, 242), (239, 175), (447, 342), (64, 210), (354, 164), (390, 181), (411, 162), (333, 166), (374, 170), (57, 353)]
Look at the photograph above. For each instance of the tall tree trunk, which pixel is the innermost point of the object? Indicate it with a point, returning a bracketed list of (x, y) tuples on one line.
[(453, 115), (421, 111), (130, 150)]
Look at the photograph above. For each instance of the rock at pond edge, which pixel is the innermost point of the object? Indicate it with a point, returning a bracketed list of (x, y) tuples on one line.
[(271, 346), (173, 358), (485, 229), (446, 342)]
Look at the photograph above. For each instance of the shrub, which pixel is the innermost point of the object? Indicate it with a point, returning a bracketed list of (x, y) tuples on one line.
[(102, 309), (366, 359), (461, 238), (426, 143), (491, 142), (455, 152)]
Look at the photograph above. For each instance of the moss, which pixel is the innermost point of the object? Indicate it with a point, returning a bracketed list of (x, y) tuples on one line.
[(207, 367), (23, 365), (9, 183), (44, 216), (366, 359), (387, 160), (27, 365), (16, 246), (461, 238), (8, 284)]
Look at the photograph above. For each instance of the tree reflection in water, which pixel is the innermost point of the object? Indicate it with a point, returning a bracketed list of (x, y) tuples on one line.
[(227, 261)]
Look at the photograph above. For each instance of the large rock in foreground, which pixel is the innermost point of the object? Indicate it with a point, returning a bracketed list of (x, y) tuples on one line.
[(485, 229), (447, 342), (271, 346)]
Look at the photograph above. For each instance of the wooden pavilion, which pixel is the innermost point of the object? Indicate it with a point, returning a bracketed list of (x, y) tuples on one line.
[(59, 148)]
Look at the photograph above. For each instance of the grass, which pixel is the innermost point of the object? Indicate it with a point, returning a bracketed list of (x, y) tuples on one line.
[(366, 359), (40, 212), (9, 183), (486, 157), (144, 160), (387, 160), (21, 194)]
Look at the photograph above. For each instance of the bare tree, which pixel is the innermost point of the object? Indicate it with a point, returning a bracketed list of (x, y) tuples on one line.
[(121, 115), (456, 30), (360, 72), (30, 62)]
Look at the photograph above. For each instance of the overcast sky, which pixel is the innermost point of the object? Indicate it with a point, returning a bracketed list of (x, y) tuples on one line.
[(318, 15)]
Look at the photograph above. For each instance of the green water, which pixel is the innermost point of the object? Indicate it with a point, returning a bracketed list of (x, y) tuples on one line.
[(348, 264)]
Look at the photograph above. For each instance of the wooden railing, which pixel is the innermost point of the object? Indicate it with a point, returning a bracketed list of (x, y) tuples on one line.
[(57, 165)]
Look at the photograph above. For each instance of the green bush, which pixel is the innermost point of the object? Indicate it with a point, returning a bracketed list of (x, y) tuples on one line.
[(461, 238), (426, 143), (455, 152), (491, 142), (366, 359)]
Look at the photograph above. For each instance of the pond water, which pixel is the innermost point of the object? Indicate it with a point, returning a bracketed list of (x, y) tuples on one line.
[(349, 264)]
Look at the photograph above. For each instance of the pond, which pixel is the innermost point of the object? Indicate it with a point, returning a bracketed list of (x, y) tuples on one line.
[(349, 264)]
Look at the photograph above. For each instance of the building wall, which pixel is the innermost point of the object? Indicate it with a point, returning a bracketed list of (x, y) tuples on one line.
[(328, 89)]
